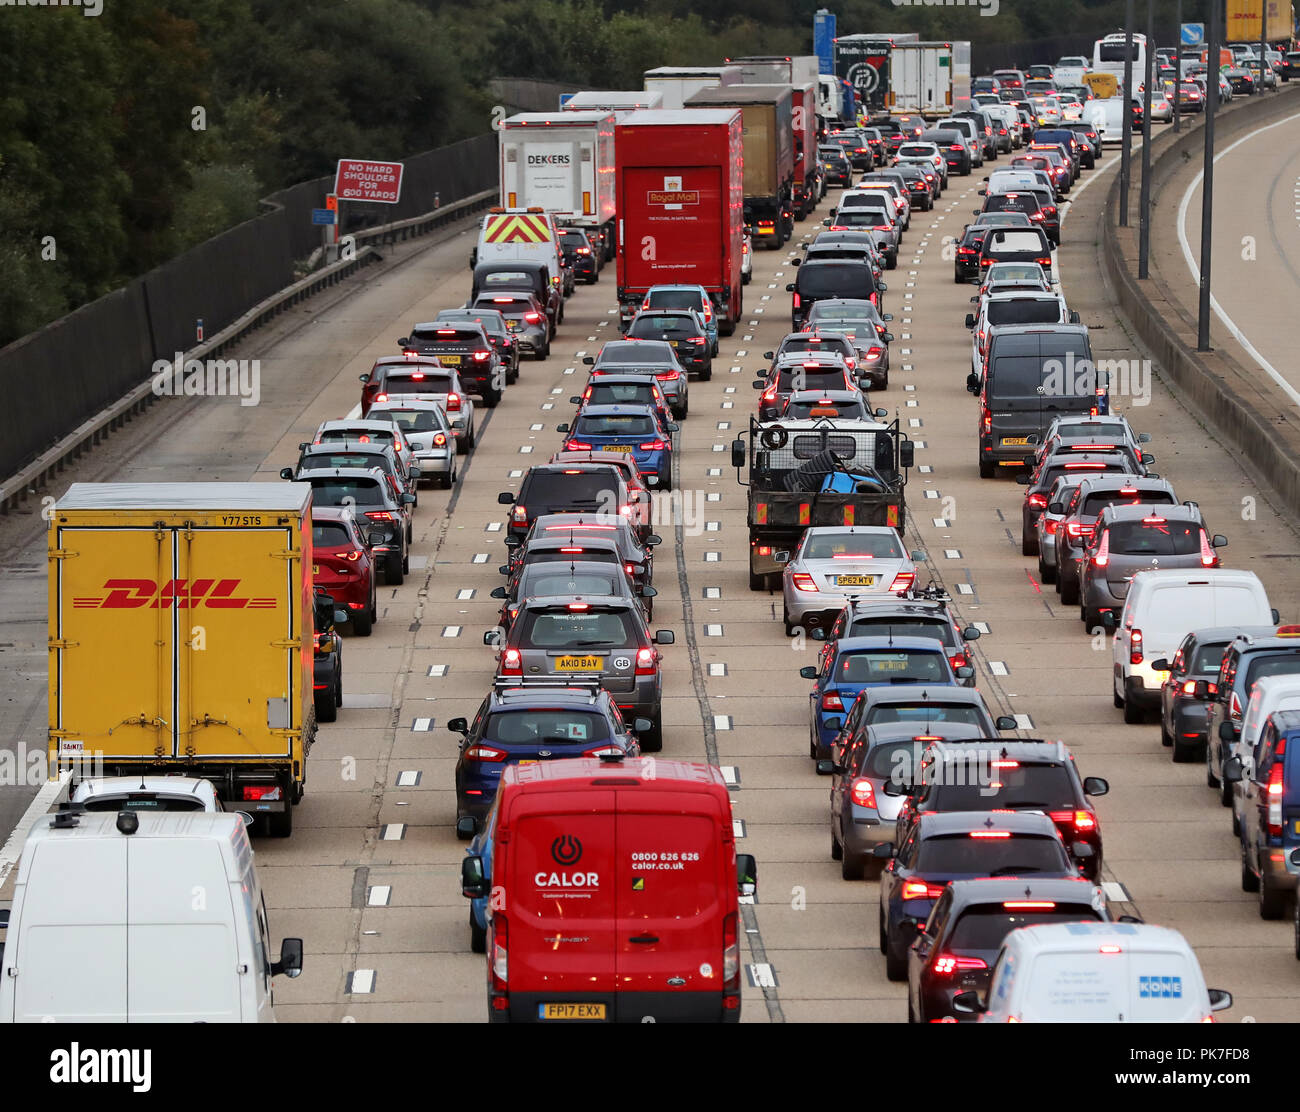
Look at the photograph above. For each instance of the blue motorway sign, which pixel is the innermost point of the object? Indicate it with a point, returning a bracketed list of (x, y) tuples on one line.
[(1193, 34)]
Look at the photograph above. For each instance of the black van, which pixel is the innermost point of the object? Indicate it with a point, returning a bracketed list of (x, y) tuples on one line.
[(1034, 374), (503, 277), (821, 279)]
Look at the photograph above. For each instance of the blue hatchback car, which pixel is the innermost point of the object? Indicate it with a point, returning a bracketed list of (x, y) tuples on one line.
[(630, 429), (531, 723), (856, 663)]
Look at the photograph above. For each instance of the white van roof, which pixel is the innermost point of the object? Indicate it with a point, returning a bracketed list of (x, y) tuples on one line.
[(227, 828), (1062, 938)]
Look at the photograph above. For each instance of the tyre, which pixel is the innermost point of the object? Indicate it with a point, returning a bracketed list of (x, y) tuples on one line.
[(1211, 780), (880, 919), (956, 278), (986, 469), (492, 400), (461, 835), (851, 866), (280, 824), (1165, 739), (446, 480), (512, 376), (1069, 590), (1133, 714), (790, 626), (1046, 573), (543, 352), (406, 562), (707, 373), (1028, 543), (652, 741), (1249, 881), (477, 935), (837, 850), (338, 687), (745, 278), (327, 709), (363, 622), (1091, 618), (891, 261), (1182, 752), (757, 582), (394, 571), (1236, 824), (895, 961), (1225, 792)]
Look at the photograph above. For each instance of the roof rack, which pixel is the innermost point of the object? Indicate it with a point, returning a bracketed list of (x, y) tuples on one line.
[(505, 683)]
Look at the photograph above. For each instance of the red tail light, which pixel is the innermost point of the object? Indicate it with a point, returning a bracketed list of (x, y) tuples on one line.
[(519, 515), (1050, 526), (919, 890), (488, 753), (481, 356), (500, 953), (511, 663), (990, 834), (576, 446), (1083, 820), (1135, 646), (1209, 558), (945, 965), (902, 581), (452, 404), (647, 662), (668, 376), (986, 420), (630, 569), (267, 792), (796, 301), (831, 701), (803, 581), (653, 446), (960, 660), (1077, 529), (439, 439), (379, 515), (1275, 791), (1234, 707), (1102, 558), (1037, 501), (532, 318), (862, 793)]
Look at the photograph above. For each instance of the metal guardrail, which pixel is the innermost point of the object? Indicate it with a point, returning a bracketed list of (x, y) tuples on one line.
[(16, 489)]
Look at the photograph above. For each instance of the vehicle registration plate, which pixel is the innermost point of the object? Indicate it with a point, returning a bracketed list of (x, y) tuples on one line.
[(617, 448), (579, 663), (449, 360), (1015, 440), (513, 325), (571, 1011), (855, 581)]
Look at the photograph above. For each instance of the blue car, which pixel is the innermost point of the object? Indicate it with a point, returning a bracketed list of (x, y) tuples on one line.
[(481, 847), (527, 724), (856, 663), (631, 429)]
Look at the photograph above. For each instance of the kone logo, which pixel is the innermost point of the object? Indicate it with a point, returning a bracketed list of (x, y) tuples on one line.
[(566, 849)]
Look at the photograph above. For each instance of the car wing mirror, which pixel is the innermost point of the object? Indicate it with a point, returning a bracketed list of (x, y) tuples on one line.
[(1232, 770), (808, 672), (881, 413), (1024, 479), (403, 341), (968, 1002), (1160, 665), (971, 633), (503, 569), (340, 616), (964, 672), (290, 963), (664, 637), (1219, 541), (588, 361), (894, 788), (654, 539), (746, 874), (473, 880), (782, 557), (789, 287), (828, 768), (562, 427), (769, 355), (1005, 722), (973, 383), (505, 498), (492, 637), (970, 320), (1220, 999), (513, 542), (1095, 785), (884, 850), (1081, 850), (498, 592), (817, 633), (458, 726), (648, 592), (375, 537), (1074, 316), (286, 473)]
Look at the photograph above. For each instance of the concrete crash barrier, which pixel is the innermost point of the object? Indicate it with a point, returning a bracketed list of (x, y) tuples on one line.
[(1235, 398)]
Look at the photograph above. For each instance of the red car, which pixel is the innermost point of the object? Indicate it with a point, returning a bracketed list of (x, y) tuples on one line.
[(343, 566)]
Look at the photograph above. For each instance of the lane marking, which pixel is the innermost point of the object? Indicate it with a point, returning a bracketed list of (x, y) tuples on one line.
[(408, 779), (421, 725), (998, 668), (392, 832), (361, 982), (379, 895), (438, 669)]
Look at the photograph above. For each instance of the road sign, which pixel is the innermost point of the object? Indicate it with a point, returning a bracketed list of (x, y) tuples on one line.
[(1193, 34), (565, 98), (324, 216), (824, 40), (359, 179)]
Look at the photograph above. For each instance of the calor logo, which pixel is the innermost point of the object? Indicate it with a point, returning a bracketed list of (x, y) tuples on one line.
[(566, 849), (179, 594)]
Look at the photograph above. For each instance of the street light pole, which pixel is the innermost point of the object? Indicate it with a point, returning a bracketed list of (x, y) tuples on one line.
[(1263, 40), (1207, 181), (1144, 219), (1126, 99), (1178, 69)]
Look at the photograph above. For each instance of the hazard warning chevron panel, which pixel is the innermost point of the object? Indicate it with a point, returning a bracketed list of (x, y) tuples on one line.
[(517, 227)]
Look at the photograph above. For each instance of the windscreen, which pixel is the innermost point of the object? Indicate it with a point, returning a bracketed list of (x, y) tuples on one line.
[(538, 725), (569, 629), (653, 327), (548, 579), (675, 299), (985, 926), (425, 384), (329, 534), (891, 666), (836, 280), (983, 780), (806, 378), (1098, 501), (1016, 854), (940, 629), (410, 420), (615, 393), (1209, 657), (1155, 536), (569, 488), (853, 546), (653, 351), (963, 714), (346, 492), (1024, 311)]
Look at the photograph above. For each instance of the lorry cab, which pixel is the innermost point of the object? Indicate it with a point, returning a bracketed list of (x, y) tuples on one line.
[(615, 893), (138, 917)]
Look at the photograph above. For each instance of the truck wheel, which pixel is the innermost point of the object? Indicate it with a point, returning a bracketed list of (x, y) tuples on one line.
[(727, 327), (394, 573), (652, 741), (326, 709), (477, 935), (757, 582)]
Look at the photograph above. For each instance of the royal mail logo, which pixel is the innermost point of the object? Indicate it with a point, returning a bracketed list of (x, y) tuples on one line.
[(180, 594), (673, 197)]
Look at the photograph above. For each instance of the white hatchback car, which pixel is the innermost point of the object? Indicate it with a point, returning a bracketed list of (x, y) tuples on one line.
[(147, 793), (835, 564)]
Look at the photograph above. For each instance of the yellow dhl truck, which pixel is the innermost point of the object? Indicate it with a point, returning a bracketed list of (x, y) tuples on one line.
[(180, 637)]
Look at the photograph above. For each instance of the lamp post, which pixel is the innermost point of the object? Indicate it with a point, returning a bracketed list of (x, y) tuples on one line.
[(1207, 181), (1126, 98), (1144, 217)]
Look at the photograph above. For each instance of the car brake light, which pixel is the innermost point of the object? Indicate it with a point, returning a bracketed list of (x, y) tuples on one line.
[(803, 581), (1209, 559), (1234, 707), (500, 954), (488, 753), (480, 356), (452, 404), (532, 318), (862, 793), (511, 663), (1275, 791), (1135, 646), (576, 446), (629, 569), (520, 514), (1083, 820), (1109, 950), (439, 439), (831, 701), (668, 376), (945, 964), (647, 661), (1037, 501), (919, 890), (1077, 529), (1102, 558), (653, 446), (262, 791), (379, 515), (730, 961), (902, 581), (989, 834), (796, 301), (987, 421)]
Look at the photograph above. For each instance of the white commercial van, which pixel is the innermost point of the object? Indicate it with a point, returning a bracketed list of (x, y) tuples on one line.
[(130, 917), (1161, 608), (1090, 972), (1107, 116), (1270, 694)]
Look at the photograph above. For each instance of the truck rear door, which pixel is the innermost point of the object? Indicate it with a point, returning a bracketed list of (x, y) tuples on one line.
[(671, 885), (674, 221), (560, 901)]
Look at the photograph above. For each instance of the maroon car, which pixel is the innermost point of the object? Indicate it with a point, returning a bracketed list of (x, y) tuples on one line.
[(343, 566)]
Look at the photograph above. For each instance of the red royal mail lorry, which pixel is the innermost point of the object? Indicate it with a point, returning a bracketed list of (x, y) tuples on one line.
[(613, 888), (681, 199)]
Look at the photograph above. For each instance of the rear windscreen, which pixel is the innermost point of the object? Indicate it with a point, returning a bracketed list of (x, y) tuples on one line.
[(652, 351), (1261, 666), (1013, 242), (445, 335), (1209, 657), (675, 299), (621, 392), (985, 926), (569, 488), (327, 534), (853, 546), (343, 459), (1005, 202), (886, 666), (1010, 856), (1018, 376), (427, 384), (1095, 503), (549, 580), (381, 436), (651, 328), (983, 780), (861, 217), (410, 420), (800, 378), (538, 726), (836, 280), (570, 629), (577, 551), (939, 630), (346, 492), (1026, 311), (617, 425), (1157, 537), (963, 714), (814, 343)]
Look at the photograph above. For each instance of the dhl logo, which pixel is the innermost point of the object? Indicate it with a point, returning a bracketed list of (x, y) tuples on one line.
[(517, 227), (181, 594)]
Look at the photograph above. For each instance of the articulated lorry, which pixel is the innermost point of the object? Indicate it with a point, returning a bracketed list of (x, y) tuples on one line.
[(180, 637), (930, 79), (677, 84), (864, 62)]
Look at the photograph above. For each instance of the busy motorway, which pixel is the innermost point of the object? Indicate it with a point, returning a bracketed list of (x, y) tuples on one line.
[(370, 879)]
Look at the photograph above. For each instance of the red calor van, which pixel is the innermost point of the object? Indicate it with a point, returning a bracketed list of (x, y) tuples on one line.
[(613, 889)]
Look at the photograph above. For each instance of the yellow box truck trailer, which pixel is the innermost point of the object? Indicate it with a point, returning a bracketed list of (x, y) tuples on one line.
[(180, 637)]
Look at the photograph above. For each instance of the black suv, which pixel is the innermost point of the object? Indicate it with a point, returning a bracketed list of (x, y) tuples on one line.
[(552, 488), (992, 774), (580, 255), (369, 492), (465, 347)]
